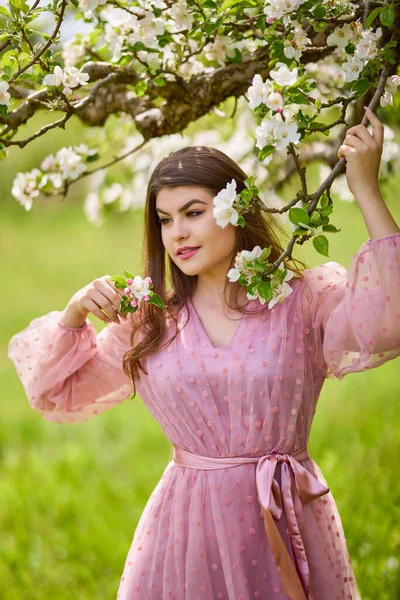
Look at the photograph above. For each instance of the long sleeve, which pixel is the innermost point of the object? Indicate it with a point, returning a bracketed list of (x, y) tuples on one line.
[(353, 317), (70, 375)]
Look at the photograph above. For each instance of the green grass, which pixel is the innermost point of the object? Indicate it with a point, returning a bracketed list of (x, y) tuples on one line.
[(71, 496)]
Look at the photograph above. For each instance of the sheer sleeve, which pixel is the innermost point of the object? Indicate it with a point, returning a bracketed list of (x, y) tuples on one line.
[(70, 375), (353, 317)]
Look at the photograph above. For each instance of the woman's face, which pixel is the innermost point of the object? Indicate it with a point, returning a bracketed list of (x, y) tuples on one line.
[(186, 214)]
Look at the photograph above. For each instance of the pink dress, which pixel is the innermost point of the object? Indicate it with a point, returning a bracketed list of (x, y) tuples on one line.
[(259, 524)]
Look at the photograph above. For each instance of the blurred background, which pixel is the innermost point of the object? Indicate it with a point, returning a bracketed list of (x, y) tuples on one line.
[(71, 495)]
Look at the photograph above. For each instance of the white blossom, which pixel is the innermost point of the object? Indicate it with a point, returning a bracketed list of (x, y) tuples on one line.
[(25, 187), (353, 67), (341, 36), (139, 287), (286, 133), (294, 47), (225, 215), (56, 78), (390, 89), (265, 132), (182, 18), (281, 292), (257, 92), (283, 75), (227, 196), (274, 101), (90, 5), (233, 274), (277, 8), (92, 209), (4, 95), (219, 49), (70, 163), (73, 50)]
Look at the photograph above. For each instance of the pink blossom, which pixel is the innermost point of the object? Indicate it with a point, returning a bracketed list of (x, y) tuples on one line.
[(129, 281)]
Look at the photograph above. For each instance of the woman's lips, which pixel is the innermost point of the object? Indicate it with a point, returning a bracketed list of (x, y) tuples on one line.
[(189, 254)]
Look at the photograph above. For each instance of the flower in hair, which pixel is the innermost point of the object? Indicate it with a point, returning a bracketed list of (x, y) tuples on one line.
[(136, 290), (229, 206)]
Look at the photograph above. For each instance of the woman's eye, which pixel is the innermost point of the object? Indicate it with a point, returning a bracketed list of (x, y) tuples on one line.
[(192, 213)]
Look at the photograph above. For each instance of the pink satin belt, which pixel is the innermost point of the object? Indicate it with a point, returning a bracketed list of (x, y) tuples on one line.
[(297, 486)]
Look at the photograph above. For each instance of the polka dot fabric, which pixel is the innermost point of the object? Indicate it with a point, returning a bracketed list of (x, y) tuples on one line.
[(201, 534)]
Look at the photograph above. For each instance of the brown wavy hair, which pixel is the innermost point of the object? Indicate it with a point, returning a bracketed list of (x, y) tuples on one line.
[(212, 169)]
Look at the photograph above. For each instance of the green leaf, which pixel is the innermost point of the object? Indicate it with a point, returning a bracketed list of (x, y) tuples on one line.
[(387, 15), (361, 87), (331, 228), (119, 281), (265, 290), (92, 157), (159, 81), (3, 110), (266, 151), (4, 11), (157, 300), (320, 26), (128, 275), (321, 245), (265, 253), (299, 216), (324, 200), (319, 12), (372, 16), (326, 210), (350, 49), (141, 88), (75, 3), (210, 4), (315, 219), (237, 58)]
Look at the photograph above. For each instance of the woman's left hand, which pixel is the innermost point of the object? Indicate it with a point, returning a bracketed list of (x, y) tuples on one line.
[(362, 151)]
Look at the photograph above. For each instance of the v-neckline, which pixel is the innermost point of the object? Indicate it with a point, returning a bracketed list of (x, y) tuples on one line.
[(239, 325)]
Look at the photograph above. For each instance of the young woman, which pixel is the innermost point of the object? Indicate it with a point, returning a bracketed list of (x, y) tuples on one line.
[(241, 511)]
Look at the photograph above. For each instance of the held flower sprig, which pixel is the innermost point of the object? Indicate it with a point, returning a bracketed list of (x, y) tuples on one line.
[(136, 289), (249, 270)]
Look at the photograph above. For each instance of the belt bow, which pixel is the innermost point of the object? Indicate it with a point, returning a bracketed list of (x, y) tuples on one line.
[(298, 487)]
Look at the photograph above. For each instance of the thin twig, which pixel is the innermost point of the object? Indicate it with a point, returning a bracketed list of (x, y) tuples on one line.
[(46, 46)]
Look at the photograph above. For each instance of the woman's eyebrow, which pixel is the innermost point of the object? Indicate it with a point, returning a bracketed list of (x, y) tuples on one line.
[(184, 207)]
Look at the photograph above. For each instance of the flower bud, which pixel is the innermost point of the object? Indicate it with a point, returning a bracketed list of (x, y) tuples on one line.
[(270, 20), (129, 281), (148, 279), (127, 290), (133, 303), (146, 298)]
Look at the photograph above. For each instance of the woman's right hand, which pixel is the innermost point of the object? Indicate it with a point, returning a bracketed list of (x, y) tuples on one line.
[(98, 294)]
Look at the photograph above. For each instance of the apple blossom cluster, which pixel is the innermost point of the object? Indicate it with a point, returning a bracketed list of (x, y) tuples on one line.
[(135, 289), (365, 42), (67, 165), (392, 83), (247, 272), (70, 77), (281, 129)]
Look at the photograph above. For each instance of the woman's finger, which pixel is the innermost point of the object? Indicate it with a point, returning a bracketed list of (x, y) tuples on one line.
[(105, 304), (377, 126), (92, 307), (354, 142), (345, 151), (362, 133)]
